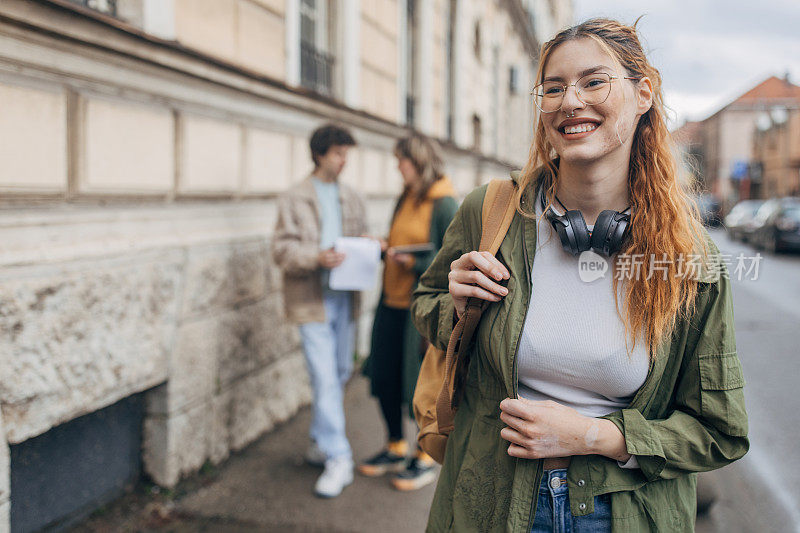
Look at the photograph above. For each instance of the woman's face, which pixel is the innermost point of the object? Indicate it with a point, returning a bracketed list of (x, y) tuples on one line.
[(596, 131), (408, 171)]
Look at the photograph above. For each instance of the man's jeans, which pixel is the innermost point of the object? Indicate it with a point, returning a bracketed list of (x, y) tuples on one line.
[(328, 348)]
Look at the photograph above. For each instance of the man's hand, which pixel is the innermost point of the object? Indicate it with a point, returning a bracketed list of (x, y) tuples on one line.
[(330, 258)]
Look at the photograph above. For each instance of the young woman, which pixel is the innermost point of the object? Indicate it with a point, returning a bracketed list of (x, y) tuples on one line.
[(422, 214), (595, 393)]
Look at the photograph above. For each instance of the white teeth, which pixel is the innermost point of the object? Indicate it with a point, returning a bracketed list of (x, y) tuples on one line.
[(580, 128)]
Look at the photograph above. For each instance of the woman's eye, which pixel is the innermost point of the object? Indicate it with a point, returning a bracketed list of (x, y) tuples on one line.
[(553, 91), (595, 83)]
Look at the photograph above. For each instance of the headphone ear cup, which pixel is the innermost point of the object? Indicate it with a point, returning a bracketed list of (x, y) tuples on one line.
[(563, 227), (609, 232), (580, 230)]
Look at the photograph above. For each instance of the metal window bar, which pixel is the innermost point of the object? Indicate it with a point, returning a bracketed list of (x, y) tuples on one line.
[(316, 69)]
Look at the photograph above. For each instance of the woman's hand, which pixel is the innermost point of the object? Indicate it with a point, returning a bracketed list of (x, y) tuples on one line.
[(539, 430), (406, 260), (475, 274)]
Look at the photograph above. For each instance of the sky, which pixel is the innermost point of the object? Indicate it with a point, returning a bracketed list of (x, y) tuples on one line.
[(710, 51)]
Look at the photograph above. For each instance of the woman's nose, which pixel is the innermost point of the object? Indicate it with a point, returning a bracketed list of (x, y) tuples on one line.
[(571, 102)]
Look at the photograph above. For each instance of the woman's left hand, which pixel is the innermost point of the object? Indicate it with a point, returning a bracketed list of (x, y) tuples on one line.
[(542, 429)]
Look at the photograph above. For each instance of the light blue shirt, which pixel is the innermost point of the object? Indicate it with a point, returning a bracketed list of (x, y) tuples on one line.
[(330, 212)]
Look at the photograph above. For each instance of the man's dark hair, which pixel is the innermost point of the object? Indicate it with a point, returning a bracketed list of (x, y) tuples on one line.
[(329, 135)]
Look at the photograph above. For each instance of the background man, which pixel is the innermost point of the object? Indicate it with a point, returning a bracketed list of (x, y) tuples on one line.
[(311, 216)]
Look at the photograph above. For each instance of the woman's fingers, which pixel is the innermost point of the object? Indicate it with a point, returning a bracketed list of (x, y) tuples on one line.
[(513, 436), (477, 278), (519, 424), (483, 261)]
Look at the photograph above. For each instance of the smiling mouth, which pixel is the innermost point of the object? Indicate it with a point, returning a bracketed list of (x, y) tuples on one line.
[(579, 128)]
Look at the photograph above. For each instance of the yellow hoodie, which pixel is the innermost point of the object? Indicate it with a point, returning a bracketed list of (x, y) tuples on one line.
[(410, 225)]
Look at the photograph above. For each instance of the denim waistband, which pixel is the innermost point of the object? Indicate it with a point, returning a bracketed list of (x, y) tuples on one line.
[(554, 482)]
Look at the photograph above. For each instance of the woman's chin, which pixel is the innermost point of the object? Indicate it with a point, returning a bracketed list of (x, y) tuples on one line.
[(578, 156)]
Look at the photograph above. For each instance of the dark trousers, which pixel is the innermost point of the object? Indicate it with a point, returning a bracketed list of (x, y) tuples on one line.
[(386, 365)]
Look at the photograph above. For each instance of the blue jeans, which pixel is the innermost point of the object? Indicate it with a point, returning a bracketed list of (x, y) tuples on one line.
[(328, 348), (552, 509)]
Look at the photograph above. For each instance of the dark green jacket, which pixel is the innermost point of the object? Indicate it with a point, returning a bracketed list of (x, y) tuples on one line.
[(688, 416), (443, 211)]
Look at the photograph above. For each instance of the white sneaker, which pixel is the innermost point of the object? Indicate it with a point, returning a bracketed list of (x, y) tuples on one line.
[(315, 456), (337, 475)]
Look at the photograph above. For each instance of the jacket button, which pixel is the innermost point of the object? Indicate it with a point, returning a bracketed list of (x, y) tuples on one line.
[(582, 507), (581, 483)]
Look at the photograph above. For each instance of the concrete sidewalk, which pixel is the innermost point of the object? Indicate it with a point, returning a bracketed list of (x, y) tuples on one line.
[(268, 487)]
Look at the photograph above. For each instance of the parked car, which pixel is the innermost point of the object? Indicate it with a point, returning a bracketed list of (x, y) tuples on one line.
[(710, 210), (738, 217), (777, 225)]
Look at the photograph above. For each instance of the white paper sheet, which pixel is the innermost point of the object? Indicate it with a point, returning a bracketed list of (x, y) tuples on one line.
[(359, 270)]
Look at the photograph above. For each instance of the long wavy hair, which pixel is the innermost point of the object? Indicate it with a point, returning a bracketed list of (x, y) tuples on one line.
[(424, 154), (665, 226)]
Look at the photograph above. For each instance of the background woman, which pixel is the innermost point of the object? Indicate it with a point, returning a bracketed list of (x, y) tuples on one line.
[(422, 214), (590, 402)]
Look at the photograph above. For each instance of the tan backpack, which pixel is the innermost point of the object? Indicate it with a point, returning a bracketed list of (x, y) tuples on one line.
[(442, 374)]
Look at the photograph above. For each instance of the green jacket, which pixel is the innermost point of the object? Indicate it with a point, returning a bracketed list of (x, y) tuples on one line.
[(688, 416)]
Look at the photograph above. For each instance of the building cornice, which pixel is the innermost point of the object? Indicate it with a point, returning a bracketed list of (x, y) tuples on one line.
[(521, 21)]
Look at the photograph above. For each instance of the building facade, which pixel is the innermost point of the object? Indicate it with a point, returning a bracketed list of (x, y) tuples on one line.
[(775, 170), (142, 145), (729, 136)]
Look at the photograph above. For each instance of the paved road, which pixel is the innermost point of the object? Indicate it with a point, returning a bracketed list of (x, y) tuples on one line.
[(767, 312)]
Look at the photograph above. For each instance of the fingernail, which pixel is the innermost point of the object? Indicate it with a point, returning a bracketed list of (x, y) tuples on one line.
[(503, 291), (497, 275)]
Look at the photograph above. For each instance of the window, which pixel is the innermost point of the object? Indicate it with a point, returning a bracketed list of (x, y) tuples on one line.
[(477, 42), (316, 63), (513, 80), (411, 51), (451, 28), (476, 132), (107, 7)]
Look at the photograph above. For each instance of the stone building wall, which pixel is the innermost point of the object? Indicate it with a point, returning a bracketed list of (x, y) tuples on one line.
[(137, 201)]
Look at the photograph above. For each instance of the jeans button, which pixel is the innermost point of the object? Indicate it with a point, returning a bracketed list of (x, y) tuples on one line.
[(582, 507), (581, 483), (555, 482)]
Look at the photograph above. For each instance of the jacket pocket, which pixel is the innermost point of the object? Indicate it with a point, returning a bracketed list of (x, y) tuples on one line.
[(721, 392)]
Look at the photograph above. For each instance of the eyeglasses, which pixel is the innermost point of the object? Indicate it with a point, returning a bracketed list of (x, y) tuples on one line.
[(591, 89)]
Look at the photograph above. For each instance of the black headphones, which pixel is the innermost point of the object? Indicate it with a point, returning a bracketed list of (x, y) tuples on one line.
[(606, 238)]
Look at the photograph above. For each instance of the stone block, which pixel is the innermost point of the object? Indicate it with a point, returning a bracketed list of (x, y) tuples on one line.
[(177, 444), (268, 165), (128, 148), (251, 338), (71, 345), (221, 276), (210, 155), (33, 139), (5, 469), (261, 40), (207, 25), (193, 365), (266, 398), (5, 516)]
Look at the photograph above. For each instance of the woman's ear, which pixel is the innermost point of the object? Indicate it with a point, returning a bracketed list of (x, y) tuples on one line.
[(644, 96)]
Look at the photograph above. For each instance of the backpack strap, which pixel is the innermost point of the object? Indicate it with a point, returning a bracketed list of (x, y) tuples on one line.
[(497, 213)]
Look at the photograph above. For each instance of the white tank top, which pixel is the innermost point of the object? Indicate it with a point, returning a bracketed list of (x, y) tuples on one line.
[(573, 347)]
